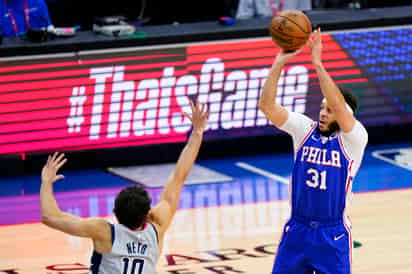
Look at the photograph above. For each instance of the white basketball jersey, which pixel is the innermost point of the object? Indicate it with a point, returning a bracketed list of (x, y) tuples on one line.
[(133, 252)]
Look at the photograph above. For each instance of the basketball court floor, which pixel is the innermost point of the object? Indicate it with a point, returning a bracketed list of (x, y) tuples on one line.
[(230, 217)]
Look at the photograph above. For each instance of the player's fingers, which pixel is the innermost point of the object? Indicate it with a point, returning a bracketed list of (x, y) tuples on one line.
[(310, 40), (198, 105), (296, 52), (54, 156), (205, 115), (203, 112), (188, 116), (59, 158), (60, 164), (202, 108), (312, 35), (192, 106), (195, 107), (58, 177)]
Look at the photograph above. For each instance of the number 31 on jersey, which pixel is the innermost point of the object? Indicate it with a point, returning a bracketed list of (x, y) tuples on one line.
[(316, 179)]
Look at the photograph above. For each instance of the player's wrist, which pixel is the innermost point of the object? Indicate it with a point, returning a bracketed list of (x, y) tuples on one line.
[(198, 131), (279, 63), (45, 181), (317, 64)]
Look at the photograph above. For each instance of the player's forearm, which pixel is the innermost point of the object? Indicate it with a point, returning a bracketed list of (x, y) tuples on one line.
[(48, 204), (188, 155), (329, 89), (270, 88)]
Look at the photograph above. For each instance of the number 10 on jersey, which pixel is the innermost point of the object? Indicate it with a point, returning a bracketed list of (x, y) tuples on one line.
[(132, 265)]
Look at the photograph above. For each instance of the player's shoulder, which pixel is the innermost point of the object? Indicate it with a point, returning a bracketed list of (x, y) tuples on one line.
[(155, 228), (105, 235), (355, 141), (362, 127), (97, 223)]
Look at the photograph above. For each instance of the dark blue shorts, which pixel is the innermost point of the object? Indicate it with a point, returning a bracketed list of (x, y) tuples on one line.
[(306, 247)]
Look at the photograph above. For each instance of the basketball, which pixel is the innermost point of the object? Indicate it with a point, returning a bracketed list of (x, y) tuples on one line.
[(290, 29)]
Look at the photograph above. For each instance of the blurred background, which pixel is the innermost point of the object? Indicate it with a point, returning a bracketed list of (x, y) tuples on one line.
[(156, 12)]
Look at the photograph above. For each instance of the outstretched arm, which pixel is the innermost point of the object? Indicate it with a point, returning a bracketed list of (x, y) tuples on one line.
[(330, 90), (51, 214), (276, 113), (164, 211)]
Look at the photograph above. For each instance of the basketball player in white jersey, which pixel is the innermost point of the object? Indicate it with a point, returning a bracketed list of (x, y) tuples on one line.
[(133, 245), (327, 155)]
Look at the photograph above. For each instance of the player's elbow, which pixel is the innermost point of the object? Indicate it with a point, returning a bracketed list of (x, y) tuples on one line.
[(48, 219), (269, 108), (172, 200), (264, 106), (171, 193)]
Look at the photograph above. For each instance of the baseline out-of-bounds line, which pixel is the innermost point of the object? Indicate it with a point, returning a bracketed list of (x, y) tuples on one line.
[(262, 172)]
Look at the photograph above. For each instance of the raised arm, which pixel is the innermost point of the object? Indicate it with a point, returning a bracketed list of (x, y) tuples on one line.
[(164, 211), (330, 90), (276, 113), (52, 216)]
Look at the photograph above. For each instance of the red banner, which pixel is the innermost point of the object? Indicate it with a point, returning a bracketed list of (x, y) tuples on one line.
[(137, 97)]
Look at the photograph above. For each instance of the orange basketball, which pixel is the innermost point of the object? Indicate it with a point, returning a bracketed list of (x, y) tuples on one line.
[(290, 29)]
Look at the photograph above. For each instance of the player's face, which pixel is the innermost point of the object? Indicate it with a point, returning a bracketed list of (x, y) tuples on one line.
[(326, 117)]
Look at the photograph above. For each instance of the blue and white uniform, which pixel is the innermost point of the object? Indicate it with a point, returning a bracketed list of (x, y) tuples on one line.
[(317, 237)]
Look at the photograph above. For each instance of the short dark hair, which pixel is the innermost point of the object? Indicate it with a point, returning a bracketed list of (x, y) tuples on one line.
[(131, 206), (350, 98)]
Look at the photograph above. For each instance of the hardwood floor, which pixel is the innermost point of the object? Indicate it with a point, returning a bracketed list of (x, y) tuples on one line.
[(227, 239)]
